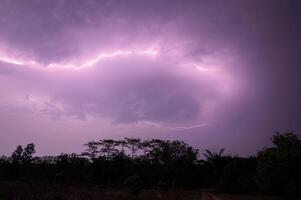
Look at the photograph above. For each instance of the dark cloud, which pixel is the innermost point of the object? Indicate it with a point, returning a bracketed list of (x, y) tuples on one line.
[(134, 89)]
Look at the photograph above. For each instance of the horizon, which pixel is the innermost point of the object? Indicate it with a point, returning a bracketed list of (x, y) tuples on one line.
[(84, 148)]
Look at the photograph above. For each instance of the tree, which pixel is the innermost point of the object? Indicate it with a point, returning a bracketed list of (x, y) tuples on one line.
[(134, 144), (216, 162), (28, 151), (279, 167), (17, 154), (122, 144), (145, 145), (166, 152), (214, 156), (92, 150), (108, 147), (286, 140)]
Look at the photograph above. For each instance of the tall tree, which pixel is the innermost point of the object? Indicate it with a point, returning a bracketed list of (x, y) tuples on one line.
[(92, 151), (134, 144), (108, 147), (17, 154), (279, 167), (28, 152)]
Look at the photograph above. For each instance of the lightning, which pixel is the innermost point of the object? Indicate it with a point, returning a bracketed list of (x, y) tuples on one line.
[(11, 61), (148, 52), (176, 128), (203, 69), (181, 128), (93, 61), (88, 63), (104, 55)]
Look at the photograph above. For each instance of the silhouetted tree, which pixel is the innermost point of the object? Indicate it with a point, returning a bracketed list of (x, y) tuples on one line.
[(216, 162), (214, 156), (279, 167), (92, 151), (108, 147), (133, 144), (145, 146), (17, 154), (286, 140), (122, 144), (162, 164), (28, 151)]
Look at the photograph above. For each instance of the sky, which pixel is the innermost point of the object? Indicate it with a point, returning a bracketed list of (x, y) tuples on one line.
[(215, 74)]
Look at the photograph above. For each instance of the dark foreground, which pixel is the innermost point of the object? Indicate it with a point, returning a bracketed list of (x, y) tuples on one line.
[(20, 191), (134, 166), (35, 192)]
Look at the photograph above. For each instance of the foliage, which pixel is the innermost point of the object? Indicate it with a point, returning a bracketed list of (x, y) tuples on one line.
[(279, 167), (162, 164)]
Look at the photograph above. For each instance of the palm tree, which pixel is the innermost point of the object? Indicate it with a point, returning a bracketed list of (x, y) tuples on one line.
[(213, 156), (215, 159)]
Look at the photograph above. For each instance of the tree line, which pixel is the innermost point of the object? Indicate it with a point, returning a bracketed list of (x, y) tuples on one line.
[(135, 164)]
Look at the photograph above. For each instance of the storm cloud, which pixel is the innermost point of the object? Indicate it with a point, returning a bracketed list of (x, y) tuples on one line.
[(213, 73)]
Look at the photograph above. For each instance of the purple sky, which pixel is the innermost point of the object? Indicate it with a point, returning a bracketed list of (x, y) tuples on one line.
[(212, 73)]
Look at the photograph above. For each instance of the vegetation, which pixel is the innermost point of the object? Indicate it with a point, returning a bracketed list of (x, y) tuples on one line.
[(133, 165)]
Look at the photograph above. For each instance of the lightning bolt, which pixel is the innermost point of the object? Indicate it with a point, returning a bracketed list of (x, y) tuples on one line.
[(11, 61), (177, 128), (88, 63), (92, 62), (203, 69)]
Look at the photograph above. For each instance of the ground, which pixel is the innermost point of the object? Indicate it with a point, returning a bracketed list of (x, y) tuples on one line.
[(19, 191)]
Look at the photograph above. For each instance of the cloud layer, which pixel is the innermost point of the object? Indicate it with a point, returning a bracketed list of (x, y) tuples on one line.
[(223, 74)]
